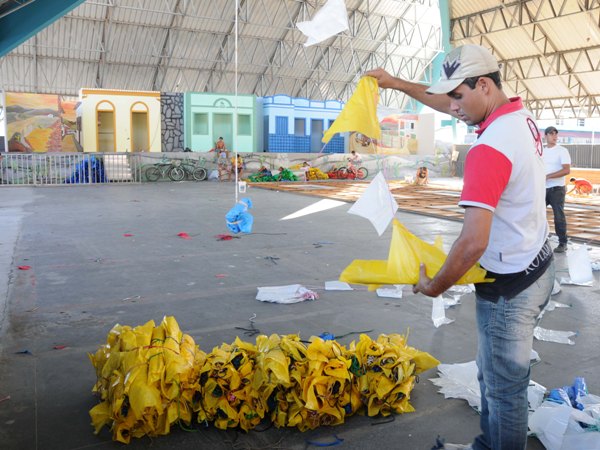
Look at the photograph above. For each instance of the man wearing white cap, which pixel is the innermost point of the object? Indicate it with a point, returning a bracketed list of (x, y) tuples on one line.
[(504, 228)]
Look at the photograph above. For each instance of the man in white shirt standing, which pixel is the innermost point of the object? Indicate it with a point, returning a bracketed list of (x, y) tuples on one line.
[(558, 164)]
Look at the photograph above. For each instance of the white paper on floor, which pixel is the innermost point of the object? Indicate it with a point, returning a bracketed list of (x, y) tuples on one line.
[(293, 293), (560, 337), (337, 286), (395, 292), (438, 313), (460, 381)]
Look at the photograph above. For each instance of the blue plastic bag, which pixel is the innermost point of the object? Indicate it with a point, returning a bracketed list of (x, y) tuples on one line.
[(238, 219)]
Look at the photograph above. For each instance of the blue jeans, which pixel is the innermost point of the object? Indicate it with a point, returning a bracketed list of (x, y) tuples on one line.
[(555, 197), (505, 332)]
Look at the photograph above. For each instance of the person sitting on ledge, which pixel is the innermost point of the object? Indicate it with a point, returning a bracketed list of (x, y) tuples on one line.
[(422, 176)]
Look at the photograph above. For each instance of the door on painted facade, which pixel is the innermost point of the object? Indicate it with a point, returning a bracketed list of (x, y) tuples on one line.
[(106, 131), (316, 134), (223, 127), (139, 132)]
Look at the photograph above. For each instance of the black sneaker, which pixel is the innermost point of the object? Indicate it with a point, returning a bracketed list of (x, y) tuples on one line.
[(561, 248)]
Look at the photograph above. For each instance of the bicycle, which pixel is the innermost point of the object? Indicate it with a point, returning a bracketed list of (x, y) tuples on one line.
[(159, 170), (189, 167), (359, 173)]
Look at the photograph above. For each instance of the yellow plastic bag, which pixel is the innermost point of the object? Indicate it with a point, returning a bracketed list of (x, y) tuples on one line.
[(406, 253), (359, 113)]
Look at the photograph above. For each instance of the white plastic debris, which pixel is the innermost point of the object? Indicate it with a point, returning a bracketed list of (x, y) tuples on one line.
[(558, 426), (560, 337), (460, 381), (552, 305), (337, 286), (556, 288), (580, 266), (293, 293), (452, 301), (564, 280), (462, 288), (438, 313), (391, 292)]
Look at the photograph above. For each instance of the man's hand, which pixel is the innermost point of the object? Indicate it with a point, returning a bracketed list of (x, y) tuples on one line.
[(384, 79), (422, 285)]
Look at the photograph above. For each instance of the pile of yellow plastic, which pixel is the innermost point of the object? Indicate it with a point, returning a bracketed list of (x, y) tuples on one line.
[(406, 254), (147, 379), (314, 173), (152, 377)]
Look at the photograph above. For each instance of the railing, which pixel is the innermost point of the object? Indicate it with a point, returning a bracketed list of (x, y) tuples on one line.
[(69, 168)]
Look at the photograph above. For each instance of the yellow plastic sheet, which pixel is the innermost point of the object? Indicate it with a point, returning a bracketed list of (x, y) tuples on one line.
[(406, 254), (359, 113)]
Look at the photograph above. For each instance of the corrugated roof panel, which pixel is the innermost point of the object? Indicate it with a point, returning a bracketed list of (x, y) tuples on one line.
[(512, 44), (64, 76), (195, 50), (17, 73), (90, 10), (135, 44), (151, 12), (119, 76), (548, 87), (460, 8), (591, 80), (572, 32), (72, 38)]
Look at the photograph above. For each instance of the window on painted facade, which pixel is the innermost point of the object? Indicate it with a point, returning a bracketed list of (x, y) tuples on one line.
[(299, 127), (244, 125), (281, 125), (200, 124)]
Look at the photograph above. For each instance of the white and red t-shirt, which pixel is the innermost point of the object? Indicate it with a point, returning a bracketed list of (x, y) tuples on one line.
[(504, 173)]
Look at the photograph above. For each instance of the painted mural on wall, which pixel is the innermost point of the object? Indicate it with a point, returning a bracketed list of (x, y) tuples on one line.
[(41, 123), (398, 136)]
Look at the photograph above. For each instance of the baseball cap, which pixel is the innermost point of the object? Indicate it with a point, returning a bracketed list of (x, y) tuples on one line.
[(550, 130), (466, 61)]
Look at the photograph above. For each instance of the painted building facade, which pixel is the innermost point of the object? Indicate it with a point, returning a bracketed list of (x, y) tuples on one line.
[(120, 121), (293, 124), (209, 116)]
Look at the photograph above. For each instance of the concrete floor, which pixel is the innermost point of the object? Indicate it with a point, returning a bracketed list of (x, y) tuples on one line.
[(86, 276)]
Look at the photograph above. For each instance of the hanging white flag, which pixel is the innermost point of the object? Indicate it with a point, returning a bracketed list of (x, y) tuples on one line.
[(331, 19), (376, 204)]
